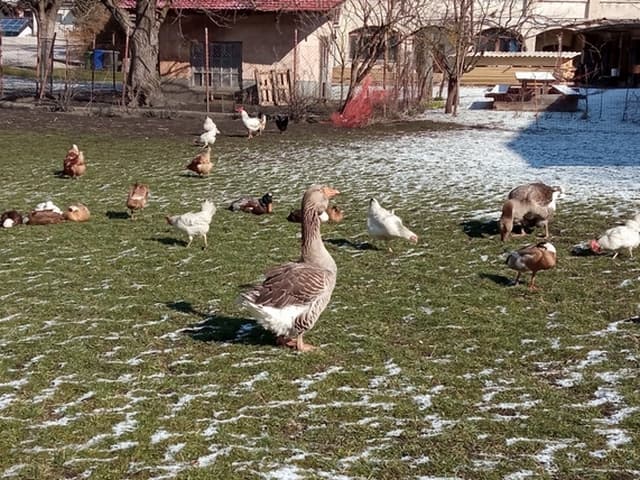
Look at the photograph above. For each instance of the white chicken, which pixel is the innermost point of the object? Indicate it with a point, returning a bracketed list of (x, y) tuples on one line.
[(616, 238), (210, 132), (255, 125), (195, 223), (383, 224)]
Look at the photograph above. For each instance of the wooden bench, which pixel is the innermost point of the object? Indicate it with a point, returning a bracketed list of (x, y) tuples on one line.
[(566, 90), (498, 90)]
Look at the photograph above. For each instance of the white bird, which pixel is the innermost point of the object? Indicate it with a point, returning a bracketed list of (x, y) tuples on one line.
[(48, 205), (194, 223), (616, 238), (383, 224), (255, 125), (210, 132)]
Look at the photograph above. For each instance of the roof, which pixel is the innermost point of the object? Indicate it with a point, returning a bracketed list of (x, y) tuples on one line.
[(563, 54), (253, 5), (11, 27), (605, 24)]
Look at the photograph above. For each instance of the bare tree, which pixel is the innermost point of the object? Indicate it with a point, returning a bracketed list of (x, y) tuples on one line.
[(45, 13), (380, 29), (465, 28), (144, 28)]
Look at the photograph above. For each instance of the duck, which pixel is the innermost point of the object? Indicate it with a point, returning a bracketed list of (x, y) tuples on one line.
[(77, 212), (45, 213), (201, 163), (10, 218), (137, 198), (293, 295), (210, 132), (74, 164), (257, 206), (332, 214), (385, 225), (532, 258), (616, 238), (529, 205)]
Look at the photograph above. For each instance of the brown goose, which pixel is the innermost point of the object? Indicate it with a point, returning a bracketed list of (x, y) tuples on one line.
[(529, 205), (292, 297)]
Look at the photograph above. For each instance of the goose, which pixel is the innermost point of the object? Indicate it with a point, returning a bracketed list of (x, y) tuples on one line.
[(292, 296), (529, 205), (532, 258), (385, 225), (332, 214), (616, 238)]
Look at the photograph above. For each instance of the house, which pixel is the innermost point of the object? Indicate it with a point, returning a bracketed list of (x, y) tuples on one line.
[(243, 38)]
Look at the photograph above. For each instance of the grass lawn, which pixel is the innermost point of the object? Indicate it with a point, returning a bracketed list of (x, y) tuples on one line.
[(124, 355)]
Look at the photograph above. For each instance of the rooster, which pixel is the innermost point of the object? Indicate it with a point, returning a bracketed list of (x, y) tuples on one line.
[(194, 223), (201, 164), (253, 125), (210, 132), (282, 121), (137, 199), (383, 224), (624, 236), (74, 164)]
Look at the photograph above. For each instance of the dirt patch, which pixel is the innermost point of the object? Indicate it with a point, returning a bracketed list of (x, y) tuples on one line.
[(162, 123)]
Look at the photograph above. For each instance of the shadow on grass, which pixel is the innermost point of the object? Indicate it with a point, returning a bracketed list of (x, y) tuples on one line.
[(499, 279), (169, 241), (479, 228), (343, 242), (222, 328), (117, 215)]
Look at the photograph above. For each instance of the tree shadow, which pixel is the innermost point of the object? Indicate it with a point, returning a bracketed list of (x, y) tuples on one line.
[(113, 215), (480, 228), (222, 328), (498, 279), (345, 243)]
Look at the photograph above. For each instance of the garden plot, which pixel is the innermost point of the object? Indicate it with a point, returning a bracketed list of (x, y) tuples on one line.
[(124, 355)]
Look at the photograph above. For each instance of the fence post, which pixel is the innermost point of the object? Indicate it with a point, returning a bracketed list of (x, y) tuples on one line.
[(206, 66), (93, 67), (113, 60)]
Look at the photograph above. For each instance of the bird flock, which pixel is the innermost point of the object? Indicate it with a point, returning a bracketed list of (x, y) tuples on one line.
[(290, 299)]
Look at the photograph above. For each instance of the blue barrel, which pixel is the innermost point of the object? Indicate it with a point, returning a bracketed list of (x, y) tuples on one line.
[(98, 59)]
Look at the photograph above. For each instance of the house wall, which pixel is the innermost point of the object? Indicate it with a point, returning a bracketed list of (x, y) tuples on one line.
[(267, 43)]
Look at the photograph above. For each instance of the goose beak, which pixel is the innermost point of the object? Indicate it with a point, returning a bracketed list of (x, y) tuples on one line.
[(330, 192)]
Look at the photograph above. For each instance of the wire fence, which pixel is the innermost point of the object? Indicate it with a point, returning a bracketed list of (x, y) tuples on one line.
[(74, 71)]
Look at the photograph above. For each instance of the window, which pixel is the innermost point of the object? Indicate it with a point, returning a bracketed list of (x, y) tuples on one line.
[(497, 40), (370, 41)]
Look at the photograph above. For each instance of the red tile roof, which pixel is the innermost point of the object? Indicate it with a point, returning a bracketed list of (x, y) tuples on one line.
[(255, 5)]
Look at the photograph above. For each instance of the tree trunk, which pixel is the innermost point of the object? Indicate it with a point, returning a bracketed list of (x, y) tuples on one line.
[(453, 93), (144, 77), (46, 14)]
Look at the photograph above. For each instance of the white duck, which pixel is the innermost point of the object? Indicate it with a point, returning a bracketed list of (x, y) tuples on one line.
[(532, 258), (210, 132), (255, 125), (616, 238), (383, 224), (292, 297)]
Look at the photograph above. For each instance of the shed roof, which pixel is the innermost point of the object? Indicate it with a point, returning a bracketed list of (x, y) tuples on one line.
[(540, 54), (253, 5)]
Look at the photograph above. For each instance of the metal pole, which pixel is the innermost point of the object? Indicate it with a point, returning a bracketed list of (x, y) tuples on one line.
[(53, 42), (66, 65), (125, 65), (206, 66), (38, 55), (1, 69), (93, 66), (295, 62), (113, 60)]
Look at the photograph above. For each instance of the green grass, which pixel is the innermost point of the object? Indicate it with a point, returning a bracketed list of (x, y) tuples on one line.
[(72, 74), (112, 331)]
